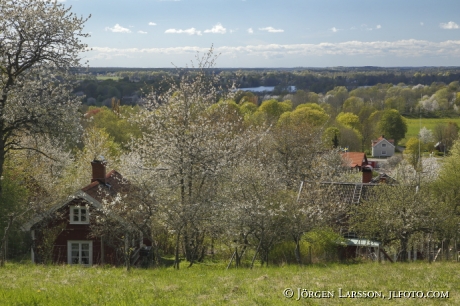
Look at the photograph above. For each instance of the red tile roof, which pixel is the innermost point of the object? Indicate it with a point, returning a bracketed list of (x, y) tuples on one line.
[(115, 183), (355, 159)]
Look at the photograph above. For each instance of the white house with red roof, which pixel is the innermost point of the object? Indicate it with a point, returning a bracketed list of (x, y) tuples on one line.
[(382, 147)]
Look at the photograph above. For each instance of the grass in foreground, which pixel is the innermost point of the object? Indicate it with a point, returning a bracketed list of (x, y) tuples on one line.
[(23, 284)]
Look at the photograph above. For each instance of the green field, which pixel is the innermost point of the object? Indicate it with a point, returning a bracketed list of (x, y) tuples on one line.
[(23, 284), (413, 126)]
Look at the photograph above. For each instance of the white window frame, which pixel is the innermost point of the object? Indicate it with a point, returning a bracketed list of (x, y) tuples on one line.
[(72, 215), (384, 145), (384, 152), (79, 242)]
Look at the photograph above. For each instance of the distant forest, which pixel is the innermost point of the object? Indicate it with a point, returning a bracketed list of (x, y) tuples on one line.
[(129, 85)]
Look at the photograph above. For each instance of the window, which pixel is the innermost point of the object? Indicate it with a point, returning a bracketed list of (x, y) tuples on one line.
[(79, 215), (80, 253), (384, 145), (384, 152)]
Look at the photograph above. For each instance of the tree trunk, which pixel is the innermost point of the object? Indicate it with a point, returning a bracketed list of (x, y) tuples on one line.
[(127, 253), (404, 241), (3, 249), (297, 250), (2, 159), (176, 257)]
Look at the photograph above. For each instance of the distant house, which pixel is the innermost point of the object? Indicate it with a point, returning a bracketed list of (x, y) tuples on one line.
[(382, 147), (63, 233)]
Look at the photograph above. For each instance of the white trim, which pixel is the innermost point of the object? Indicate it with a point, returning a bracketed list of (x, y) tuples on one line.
[(79, 194), (381, 141), (80, 243), (80, 218)]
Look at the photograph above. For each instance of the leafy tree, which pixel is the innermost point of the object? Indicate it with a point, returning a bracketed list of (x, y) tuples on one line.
[(395, 213), (116, 122), (353, 105), (40, 43), (392, 125), (350, 120), (184, 151), (310, 114), (446, 188), (412, 152)]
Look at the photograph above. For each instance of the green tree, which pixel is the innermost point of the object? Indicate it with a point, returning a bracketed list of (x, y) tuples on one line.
[(395, 213), (412, 152), (392, 125), (350, 120), (353, 105)]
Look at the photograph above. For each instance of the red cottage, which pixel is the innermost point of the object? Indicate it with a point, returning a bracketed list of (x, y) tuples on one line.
[(63, 233)]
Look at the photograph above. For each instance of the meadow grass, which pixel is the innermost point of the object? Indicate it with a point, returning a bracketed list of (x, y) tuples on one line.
[(413, 126), (204, 284)]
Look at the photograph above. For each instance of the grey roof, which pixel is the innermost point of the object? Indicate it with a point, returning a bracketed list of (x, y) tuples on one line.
[(346, 193)]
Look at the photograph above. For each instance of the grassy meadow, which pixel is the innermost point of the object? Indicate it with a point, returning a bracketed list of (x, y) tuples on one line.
[(212, 284), (413, 126)]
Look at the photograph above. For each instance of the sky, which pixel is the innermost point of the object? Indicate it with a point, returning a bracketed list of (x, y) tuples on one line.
[(271, 33)]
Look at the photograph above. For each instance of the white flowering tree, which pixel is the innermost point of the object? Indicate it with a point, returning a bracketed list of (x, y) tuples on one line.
[(188, 141), (40, 42)]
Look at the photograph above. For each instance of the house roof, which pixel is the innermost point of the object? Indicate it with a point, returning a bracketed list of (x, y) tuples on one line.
[(356, 159), (92, 194), (347, 193), (380, 139), (383, 178)]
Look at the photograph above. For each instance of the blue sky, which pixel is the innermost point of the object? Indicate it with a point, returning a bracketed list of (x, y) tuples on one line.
[(272, 33)]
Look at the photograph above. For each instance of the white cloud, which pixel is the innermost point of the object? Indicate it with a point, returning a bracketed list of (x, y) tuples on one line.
[(250, 31), (365, 27), (402, 48), (448, 26), (378, 27), (141, 32), (334, 29), (118, 29), (152, 24), (191, 31), (217, 29), (421, 23), (271, 30)]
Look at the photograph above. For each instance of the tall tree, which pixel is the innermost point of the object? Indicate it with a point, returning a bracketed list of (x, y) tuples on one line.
[(392, 125), (40, 43), (187, 144)]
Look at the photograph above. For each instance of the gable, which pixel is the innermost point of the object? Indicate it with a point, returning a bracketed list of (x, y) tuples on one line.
[(381, 140)]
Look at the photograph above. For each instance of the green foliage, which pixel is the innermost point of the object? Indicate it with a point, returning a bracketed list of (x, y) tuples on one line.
[(116, 124), (412, 152), (248, 108), (392, 125), (324, 243), (273, 109), (14, 194), (353, 105), (349, 120), (304, 114)]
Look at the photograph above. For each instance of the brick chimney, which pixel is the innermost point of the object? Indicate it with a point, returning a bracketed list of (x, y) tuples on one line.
[(98, 167), (367, 174)]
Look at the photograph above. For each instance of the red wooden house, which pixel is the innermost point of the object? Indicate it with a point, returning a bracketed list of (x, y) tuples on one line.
[(63, 234)]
